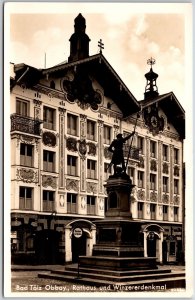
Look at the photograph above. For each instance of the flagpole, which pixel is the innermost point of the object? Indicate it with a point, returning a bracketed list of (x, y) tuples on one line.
[(131, 143)]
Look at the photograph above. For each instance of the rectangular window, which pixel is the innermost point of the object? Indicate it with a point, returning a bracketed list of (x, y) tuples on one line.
[(26, 155), (140, 144), (152, 181), (165, 152), (107, 170), (72, 203), (91, 130), (48, 200), (72, 122), (153, 211), (48, 161), (131, 173), (152, 149), (140, 179), (72, 165), (49, 118), (91, 169), (176, 186), (176, 156), (176, 209), (91, 205), (140, 210), (107, 135), (165, 184), (25, 198), (165, 213), (22, 107)]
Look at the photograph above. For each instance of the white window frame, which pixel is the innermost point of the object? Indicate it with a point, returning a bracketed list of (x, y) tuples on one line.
[(72, 165), (49, 166), (90, 205), (91, 169), (140, 180), (91, 130), (49, 122), (48, 204), (26, 202), (165, 184), (71, 203), (25, 159), (107, 134), (20, 107), (72, 124)]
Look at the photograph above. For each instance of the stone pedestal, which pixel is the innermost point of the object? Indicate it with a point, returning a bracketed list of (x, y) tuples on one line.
[(119, 242), (119, 190)]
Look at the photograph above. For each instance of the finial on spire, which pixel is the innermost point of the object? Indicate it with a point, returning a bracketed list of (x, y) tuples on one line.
[(151, 61), (100, 45)]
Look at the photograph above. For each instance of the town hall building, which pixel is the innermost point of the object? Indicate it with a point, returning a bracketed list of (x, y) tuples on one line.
[(63, 120)]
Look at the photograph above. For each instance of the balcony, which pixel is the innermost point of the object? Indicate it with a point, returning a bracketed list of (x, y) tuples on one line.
[(25, 124), (134, 152)]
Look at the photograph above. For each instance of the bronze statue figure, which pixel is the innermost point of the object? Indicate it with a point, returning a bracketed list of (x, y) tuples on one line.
[(116, 147)]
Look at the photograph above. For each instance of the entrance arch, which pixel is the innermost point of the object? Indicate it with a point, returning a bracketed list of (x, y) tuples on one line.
[(153, 239), (76, 244)]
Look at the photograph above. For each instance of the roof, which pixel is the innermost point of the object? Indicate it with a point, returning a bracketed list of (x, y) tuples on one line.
[(113, 86), (27, 74), (171, 107)]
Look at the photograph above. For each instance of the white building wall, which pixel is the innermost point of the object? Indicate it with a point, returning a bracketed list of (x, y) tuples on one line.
[(107, 117)]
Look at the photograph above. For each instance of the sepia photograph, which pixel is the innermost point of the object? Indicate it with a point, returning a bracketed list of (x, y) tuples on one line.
[(98, 193)]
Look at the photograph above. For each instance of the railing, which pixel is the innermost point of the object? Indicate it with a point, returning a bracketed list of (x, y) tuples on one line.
[(25, 124), (72, 208), (91, 209), (48, 205), (25, 203), (165, 217), (133, 154), (140, 214)]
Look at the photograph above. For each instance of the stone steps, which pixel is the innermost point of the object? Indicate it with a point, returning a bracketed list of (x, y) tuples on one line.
[(177, 281), (118, 278), (74, 268)]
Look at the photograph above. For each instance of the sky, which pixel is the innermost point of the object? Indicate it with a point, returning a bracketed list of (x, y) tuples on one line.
[(131, 35)]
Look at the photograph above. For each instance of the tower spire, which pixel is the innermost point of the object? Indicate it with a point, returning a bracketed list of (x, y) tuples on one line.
[(79, 40), (151, 89)]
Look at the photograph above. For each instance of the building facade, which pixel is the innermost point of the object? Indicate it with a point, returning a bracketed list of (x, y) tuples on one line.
[(63, 120)]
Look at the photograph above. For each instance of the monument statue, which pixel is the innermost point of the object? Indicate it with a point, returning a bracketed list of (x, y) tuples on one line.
[(116, 147)]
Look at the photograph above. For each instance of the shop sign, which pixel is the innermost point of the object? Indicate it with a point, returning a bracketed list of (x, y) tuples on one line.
[(77, 232)]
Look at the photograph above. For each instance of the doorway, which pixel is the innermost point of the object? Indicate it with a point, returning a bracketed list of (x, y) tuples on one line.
[(78, 247), (151, 245)]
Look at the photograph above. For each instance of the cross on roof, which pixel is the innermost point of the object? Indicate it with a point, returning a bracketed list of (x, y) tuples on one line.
[(151, 61), (100, 45)]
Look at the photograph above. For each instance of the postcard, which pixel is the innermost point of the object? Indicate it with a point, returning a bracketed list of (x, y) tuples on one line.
[(98, 150)]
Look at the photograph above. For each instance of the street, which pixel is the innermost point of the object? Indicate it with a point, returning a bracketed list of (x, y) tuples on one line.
[(28, 281)]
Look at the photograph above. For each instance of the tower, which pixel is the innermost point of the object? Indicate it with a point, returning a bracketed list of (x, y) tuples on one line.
[(151, 89), (79, 40)]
